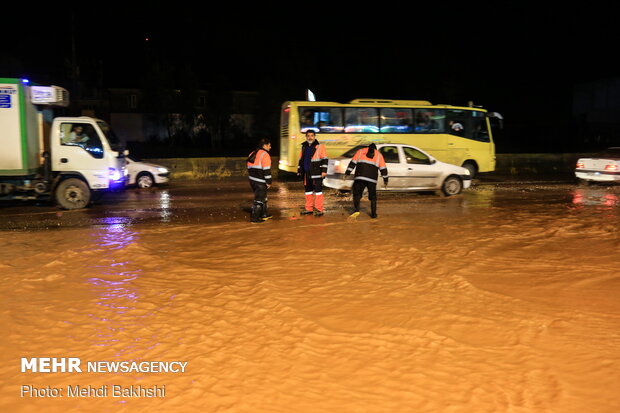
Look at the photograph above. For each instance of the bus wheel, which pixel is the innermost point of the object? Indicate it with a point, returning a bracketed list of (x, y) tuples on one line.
[(452, 186), (72, 193), (471, 167)]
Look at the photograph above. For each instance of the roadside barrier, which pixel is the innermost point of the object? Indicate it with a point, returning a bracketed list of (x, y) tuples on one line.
[(510, 165)]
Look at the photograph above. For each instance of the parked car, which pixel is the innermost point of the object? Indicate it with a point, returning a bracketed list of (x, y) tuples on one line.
[(146, 175), (409, 169), (603, 167)]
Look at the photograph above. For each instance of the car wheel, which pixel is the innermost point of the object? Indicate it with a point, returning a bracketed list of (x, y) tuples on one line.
[(72, 193), (472, 168), (145, 180), (452, 186)]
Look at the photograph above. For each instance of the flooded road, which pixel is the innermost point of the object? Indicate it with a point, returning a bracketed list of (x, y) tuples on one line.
[(502, 299)]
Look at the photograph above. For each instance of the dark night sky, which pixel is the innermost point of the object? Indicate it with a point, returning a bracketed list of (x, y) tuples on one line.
[(501, 55)]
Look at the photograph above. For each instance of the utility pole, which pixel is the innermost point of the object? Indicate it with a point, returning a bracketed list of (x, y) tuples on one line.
[(74, 69)]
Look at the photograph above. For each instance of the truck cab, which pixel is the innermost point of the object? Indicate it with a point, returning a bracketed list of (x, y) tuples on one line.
[(67, 159), (80, 146)]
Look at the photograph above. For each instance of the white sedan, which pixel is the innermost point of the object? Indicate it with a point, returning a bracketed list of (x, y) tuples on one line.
[(409, 169), (604, 167), (146, 175)]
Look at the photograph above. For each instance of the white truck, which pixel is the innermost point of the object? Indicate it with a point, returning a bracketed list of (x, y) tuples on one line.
[(70, 160)]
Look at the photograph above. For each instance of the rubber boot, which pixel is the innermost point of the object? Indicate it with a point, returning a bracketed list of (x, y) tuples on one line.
[(257, 212), (373, 208), (265, 215)]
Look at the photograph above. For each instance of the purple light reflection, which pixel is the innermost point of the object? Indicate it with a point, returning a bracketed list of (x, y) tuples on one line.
[(115, 232), (113, 282)]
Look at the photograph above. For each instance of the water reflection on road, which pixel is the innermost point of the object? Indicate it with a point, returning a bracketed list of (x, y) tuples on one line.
[(112, 281)]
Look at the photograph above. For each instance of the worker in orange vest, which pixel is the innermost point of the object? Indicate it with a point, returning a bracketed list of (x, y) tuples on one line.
[(259, 173), (367, 162), (312, 167)]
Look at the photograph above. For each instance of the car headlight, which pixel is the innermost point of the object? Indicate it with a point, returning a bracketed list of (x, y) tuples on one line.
[(162, 170)]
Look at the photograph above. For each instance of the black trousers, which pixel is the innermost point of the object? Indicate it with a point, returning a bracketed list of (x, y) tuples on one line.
[(260, 191), (259, 208), (358, 189), (313, 185)]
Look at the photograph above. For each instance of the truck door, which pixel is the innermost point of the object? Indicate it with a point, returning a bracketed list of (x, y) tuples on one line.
[(79, 149)]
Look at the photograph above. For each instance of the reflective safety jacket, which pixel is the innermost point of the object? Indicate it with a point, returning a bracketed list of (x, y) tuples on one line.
[(366, 168), (259, 166), (318, 157)]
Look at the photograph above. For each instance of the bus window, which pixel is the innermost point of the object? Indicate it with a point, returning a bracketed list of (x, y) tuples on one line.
[(390, 154), (470, 124), (361, 120), (396, 120), (307, 119), (429, 120), (479, 127), (458, 123), (326, 120)]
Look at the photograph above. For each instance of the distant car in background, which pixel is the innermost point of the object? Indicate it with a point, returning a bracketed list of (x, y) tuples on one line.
[(146, 175), (409, 169), (603, 167)]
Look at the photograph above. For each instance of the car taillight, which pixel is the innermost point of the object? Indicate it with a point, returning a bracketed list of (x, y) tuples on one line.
[(580, 165), (611, 167)]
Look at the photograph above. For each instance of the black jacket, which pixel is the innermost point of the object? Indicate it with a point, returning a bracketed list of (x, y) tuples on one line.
[(318, 157)]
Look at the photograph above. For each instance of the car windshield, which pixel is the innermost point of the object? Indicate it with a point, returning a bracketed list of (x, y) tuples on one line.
[(351, 152), (610, 153)]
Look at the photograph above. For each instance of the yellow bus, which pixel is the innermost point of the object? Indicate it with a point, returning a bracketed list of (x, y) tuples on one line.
[(456, 135)]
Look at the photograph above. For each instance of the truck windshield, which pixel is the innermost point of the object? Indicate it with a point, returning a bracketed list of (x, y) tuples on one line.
[(113, 140)]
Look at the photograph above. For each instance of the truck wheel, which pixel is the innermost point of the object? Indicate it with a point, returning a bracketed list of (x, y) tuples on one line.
[(452, 186), (145, 180), (72, 193)]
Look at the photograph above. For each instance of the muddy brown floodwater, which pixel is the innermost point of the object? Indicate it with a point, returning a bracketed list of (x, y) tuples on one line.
[(502, 299)]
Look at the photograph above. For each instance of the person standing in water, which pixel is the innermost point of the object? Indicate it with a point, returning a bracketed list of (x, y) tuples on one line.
[(367, 162), (312, 168), (259, 174)]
